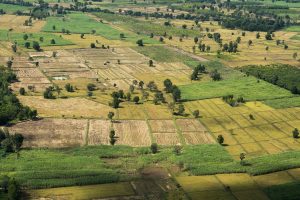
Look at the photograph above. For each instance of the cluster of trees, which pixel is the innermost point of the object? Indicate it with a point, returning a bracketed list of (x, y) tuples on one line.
[(10, 107), (232, 47), (10, 143), (248, 23), (286, 76), (229, 99), (11, 188), (199, 69), (173, 89)]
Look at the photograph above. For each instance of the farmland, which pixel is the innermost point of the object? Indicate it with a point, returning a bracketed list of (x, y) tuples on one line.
[(149, 100)]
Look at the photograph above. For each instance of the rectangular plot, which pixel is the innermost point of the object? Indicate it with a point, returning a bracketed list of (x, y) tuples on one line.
[(284, 127), (212, 124), (132, 132), (272, 131), (98, 132), (295, 173), (287, 115), (280, 145), (162, 126), (269, 147), (250, 195), (295, 124), (167, 138), (241, 136), (131, 112), (237, 182), (253, 149), (187, 125), (258, 120), (276, 178), (241, 120), (212, 195), (269, 116), (291, 143), (227, 122), (157, 111), (235, 149), (198, 138), (55, 133), (257, 134)]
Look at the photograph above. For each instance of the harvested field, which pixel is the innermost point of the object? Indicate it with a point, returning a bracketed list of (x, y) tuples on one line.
[(52, 132), (132, 132), (98, 132), (72, 107), (162, 126), (198, 138), (167, 138)]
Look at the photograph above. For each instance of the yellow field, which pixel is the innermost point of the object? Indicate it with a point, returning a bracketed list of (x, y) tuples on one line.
[(85, 192), (234, 186)]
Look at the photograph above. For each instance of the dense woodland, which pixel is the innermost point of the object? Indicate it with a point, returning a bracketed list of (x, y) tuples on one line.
[(10, 107)]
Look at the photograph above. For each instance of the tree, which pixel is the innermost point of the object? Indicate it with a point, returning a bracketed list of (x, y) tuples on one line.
[(168, 85), (242, 158), (215, 75), (177, 149), (112, 137), (154, 148), (294, 89), (52, 41), (257, 35), (136, 99), (128, 96), (115, 102), (181, 109), (48, 94), (141, 84), (82, 35), (4, 183), (36, 46), (150, 63), (69, 87), (14, 47), (131, 88), (17, 141), (220, 139), (110, 116), (176, 93), (9, 63), (140, 42), (196, 39), (13, 190), (196, 113), (27, 44), (41, 39), (93, 46), (251, 117), (91, 87), (295, 133), (268, 36), (25, 36), (22, 91), (250, 42)]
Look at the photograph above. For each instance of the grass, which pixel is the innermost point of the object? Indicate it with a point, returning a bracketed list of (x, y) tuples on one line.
[(293, 29), (296, 37), (246, 87), (288, 191), (9, 8), (82, 23), (47, 37), (47, 168), (145, 27), (284, 102)]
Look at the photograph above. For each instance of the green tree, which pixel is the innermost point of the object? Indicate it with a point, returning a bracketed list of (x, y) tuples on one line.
[(22, 91), (27, 45), (196, 113), (176, 93), (168, 85), (36, 46), (140, 42), (220, 139), (112, 137), (25, 36), (136, 99), (181, 109), (91, 87), (154, 148), (110, 116), (13, 190), (295, 133)]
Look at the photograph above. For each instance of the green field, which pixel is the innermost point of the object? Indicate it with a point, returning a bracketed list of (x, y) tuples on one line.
[(81, 23), (289, 191), (293, 29), (9, 8), (284, 102), (146, 27), (247, 87), (47, 37)]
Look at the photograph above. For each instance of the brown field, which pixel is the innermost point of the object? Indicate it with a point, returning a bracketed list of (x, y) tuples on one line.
[(162, 126), (72, 107), (98, 132), (52, 132), (167, 138), (17, 23), (132, 132)]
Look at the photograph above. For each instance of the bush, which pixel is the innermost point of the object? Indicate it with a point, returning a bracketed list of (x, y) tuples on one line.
[(91, 87), (154, 148), (220, 139)]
